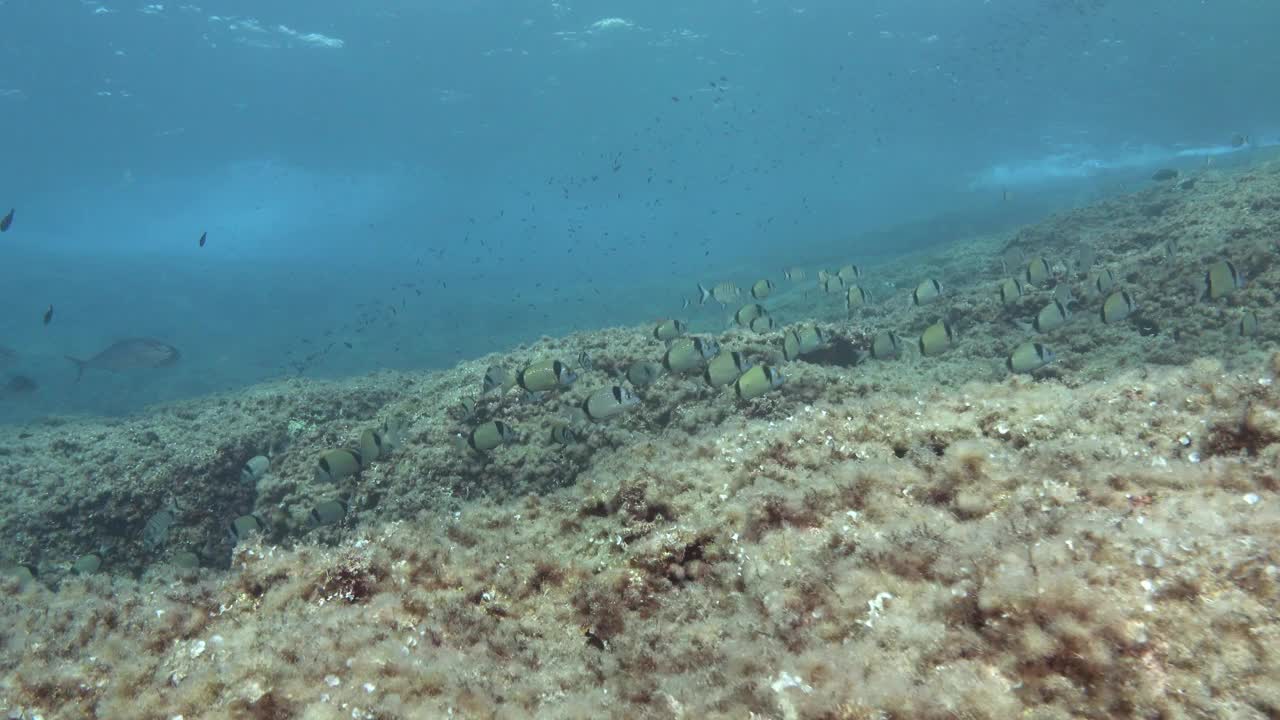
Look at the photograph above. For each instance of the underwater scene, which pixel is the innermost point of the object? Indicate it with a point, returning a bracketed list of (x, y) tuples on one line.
[(842, 360)]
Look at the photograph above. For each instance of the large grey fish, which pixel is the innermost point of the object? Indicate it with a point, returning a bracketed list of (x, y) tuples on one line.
[(130, 354)]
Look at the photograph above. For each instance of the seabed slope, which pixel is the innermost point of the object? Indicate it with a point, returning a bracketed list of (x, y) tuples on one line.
[(924, 538)]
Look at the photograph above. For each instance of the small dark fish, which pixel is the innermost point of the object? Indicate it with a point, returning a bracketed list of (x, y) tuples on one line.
[(131, 354), (48, 315), (203, 236), (20, 385), (7, 355), (347, 344), (7, 220)]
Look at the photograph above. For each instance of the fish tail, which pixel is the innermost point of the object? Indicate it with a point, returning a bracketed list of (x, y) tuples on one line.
[(80, 365)]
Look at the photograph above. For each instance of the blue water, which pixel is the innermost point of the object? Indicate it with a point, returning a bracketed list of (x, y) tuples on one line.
[(539, 168)]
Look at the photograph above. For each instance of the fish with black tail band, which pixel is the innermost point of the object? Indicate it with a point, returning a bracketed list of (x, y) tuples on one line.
[(749, 312), (1220, 280), (723, 293), (790, 345), (466, 408), (1118, 306), (371, 446), (489, 436), (1037, 272), (885, 345), (687, 354), (811, 338), (936, 339), (762, 324), (856, 297), (1051, 317), (1101, 282), (1248, 325), (246, 526), (1086, 256), (393, 432), (725, 368), (1012, 260), (761, 289), (1029, 356), (545, 375), (794, 274), (1010, 290), (497, 378), (609, 402), (254, 469), (327, 512), (726, 292), (585, 362), (833, 283), (339, 463), (156, 530), (757, 381), (849, 273), (802, 341), (562, 433), (643, 374), (668, 330), (928, 291)]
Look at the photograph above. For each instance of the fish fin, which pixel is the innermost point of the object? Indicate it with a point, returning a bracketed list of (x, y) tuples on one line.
[(703, 294), (80, 366)]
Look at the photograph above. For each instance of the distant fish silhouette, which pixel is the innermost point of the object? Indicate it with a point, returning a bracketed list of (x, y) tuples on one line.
[(20, 385), (48, 315), (7, 220), (131, 354), (203, 236)]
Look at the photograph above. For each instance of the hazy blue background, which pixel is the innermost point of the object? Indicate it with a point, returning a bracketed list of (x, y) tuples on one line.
[(537, 167)]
